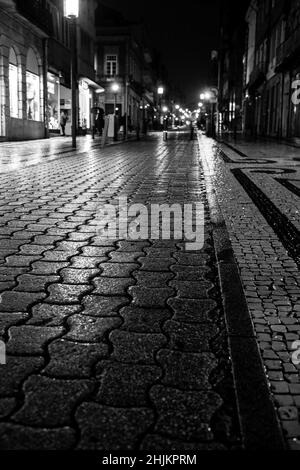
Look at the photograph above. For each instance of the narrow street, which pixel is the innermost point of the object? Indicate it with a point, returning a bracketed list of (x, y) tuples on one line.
[(143, 345)]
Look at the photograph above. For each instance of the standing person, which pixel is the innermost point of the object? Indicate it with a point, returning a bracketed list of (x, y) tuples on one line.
[(63, 122)]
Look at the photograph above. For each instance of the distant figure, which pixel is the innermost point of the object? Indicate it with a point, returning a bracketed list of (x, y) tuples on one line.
[(99, 122), (63, 122)]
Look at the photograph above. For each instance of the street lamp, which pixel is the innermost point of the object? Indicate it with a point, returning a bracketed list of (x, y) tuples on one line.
[(71, 11), (160, 92), (115, 88)]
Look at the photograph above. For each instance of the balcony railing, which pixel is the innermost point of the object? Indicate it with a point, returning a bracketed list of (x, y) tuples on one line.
[(37, 12), (289, 48)]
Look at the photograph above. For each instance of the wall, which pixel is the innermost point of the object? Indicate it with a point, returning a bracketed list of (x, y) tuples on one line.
[(16, 33)]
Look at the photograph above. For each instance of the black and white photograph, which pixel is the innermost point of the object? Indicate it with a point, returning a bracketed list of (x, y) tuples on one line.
[(149, 230)]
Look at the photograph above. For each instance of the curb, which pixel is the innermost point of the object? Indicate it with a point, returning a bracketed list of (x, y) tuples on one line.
[(260, 426)]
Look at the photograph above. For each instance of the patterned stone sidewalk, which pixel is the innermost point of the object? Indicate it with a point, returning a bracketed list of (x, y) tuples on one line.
[(258, 192), (111, 344)]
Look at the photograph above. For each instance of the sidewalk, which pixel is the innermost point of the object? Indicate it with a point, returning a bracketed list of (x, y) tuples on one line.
[(258, 188), (16, 155), (264, 148)]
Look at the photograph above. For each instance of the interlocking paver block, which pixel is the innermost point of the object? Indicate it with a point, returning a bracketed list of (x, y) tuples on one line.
[(136, 348), (15, 437), (111, 286), (31, 339), (185, 415), (124, 385), (101, 306), (189, 337), (153, 279), (73, 360), (18, 301), (17, 370), (11, 319), (111, 428), (67, 293), (50, 402), (141, 320), (193, 311), (187, 371), (118, 269), (91, 330), (52, 315), (32, 283), (78, 276), (150, 298)]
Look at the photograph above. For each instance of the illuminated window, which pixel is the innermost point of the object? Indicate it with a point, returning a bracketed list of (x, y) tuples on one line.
[(13, 84), (32, 87), (111, 65)]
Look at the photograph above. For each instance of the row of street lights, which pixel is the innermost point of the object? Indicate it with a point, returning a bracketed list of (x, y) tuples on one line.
[(71, 12)]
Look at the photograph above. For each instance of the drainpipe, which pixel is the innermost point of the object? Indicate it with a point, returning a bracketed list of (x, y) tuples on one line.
[(45, 86), (126, 91)]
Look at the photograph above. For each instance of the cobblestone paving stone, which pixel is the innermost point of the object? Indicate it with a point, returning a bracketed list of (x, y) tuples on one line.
[(270, 276), (111, 344)]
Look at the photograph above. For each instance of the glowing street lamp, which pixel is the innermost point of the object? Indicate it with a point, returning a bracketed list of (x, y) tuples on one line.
[(115, 88), (160, 92), (177, 107), (71, 8), (165, 109), (71, 12)]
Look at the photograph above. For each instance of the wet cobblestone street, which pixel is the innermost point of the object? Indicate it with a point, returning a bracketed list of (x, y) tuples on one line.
[(111, 344)]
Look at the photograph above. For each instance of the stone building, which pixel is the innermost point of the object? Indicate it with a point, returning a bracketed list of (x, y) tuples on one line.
[(272, 69), (35, 63)]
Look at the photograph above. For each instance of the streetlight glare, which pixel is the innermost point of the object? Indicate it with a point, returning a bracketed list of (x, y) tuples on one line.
[(165, 109), (177, 106), (160, 90), (71, 8), (202, 96), (115, 87)]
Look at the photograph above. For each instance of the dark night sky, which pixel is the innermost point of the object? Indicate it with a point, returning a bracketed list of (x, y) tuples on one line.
[(184, 32)]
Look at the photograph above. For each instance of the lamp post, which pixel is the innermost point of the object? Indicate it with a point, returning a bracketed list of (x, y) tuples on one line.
[(71, 8), (209, 97), (115, 88), (160, 92)]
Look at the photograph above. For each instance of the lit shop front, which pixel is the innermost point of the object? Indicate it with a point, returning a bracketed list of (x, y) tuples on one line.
[(59, 102), (88, 90)]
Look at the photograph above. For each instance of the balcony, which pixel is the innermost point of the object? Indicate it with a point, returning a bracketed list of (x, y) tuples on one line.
[(258, 75), (288, 50), (37, 12)]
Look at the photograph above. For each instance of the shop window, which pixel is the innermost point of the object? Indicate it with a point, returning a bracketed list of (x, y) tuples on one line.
[(32, 87), (14, 84)]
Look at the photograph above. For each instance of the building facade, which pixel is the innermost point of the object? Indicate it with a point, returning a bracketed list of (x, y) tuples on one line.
[(230, 58), (22, 71), (35, 64), (272, 69), (123, 58)]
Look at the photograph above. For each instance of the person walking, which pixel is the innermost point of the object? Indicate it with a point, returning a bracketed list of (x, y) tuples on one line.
[(63, 122)]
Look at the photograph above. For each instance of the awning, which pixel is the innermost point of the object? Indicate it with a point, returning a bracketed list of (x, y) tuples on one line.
[(93, 84)]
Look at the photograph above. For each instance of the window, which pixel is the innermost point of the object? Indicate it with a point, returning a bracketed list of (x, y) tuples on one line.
[(111, 65), (13, 84), (32, 87)]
